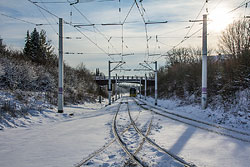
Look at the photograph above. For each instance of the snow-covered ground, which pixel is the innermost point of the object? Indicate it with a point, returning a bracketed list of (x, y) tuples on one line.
[(232, 118), (61, 140), (54, 139)]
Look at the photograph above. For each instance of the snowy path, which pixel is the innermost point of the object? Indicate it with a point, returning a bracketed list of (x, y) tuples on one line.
[(62, 143), (67, 141)]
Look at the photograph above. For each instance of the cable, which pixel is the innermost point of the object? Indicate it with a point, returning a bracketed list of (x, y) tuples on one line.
[(216, 5), (124, 21), (28, 22), (145, 26), (143, 9), (186, 36), (48, 21), (237, 7), (25, 21), (128, 12), (173, 31), (93, 25), (179, 43), (108, 39), (119, 10), (50, 2), (46, 10), (93, 43), (74, 27), (196, 19)]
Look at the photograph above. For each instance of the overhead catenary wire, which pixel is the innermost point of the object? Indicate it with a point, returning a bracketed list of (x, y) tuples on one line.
[(186, 37), (108, 39), (27, 22), (196, 18), (179, 43), (24, 21), (75, 28), (122, 32), (145, 26), (129, 12), (143, 14), (76, 2), (143, 9), (216, 6), (47, 21), (241, 5), (50, 2), (93, 26), (46, 10), (122, 29)]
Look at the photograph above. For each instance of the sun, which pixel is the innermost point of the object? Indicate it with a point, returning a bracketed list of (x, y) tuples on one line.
[(219, 19)]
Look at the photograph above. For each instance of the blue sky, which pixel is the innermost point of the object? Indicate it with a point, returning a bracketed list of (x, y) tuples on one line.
[(177, 12)]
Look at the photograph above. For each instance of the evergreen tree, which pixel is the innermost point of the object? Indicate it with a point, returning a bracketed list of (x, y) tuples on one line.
[(27, 47), (35, 46), (46, 48)]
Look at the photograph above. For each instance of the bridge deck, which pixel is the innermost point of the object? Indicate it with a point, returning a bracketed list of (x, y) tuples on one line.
[(103, 80)]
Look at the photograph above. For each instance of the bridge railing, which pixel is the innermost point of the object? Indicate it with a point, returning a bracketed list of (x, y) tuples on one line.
[(122, 78)]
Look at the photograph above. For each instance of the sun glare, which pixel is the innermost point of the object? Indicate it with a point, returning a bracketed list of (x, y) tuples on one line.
[(219, 19)]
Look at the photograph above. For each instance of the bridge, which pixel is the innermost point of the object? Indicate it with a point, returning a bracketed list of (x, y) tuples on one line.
[(103, 80)]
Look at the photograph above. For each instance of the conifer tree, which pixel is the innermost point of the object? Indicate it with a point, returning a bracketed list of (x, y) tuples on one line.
[(27, 47), (37, 48), (46, 48)]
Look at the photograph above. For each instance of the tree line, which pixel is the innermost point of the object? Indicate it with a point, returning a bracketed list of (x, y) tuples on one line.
[(228, 72), (36, 69)]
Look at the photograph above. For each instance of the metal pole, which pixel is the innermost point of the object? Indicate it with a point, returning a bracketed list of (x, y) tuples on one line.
[(60, 66), (145, 92), (156, 83), (118, 87), (109, 87), (115, 86), (140, 87), (204, 63)]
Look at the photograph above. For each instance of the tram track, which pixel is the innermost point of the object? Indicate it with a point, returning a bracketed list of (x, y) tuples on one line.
[(134, 159), (186, 164), (122, 144), (148, 140), (99, 151), (220, 130), (95, 153)]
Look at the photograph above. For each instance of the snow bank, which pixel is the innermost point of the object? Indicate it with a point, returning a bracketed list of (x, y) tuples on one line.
[(22, 109), (238, 115)]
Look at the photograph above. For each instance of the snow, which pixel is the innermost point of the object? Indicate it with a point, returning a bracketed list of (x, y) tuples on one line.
[(201, 147), (63, 142), (241, 120), (47, 138)]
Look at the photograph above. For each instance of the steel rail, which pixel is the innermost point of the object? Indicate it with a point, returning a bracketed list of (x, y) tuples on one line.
[(186, 164), (95, 153), (143, 140), (196, 121), (125, 149), (202, 122)]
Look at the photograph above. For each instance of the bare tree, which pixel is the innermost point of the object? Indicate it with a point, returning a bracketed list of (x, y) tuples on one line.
[(236, 38)]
